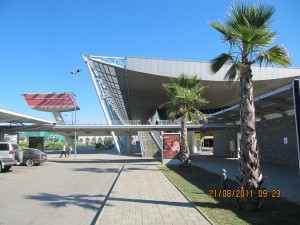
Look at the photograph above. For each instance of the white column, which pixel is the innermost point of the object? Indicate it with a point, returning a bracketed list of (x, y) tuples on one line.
[(193, 147), (129, 150)]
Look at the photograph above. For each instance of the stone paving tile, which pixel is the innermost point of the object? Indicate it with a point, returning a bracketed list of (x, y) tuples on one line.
[(143, 195)]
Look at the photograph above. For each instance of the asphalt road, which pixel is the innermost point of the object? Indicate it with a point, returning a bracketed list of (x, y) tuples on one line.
[(59, 192)]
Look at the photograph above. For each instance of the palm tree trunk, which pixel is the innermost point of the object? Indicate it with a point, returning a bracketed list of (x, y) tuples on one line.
[(250, 173), (185, 151)]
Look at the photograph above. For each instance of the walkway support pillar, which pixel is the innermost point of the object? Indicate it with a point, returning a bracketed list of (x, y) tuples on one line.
[(192, 146), (60, 121), (129, 150)]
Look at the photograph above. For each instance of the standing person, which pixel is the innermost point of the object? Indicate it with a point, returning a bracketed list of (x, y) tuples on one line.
[(70, 151), (63, 151)]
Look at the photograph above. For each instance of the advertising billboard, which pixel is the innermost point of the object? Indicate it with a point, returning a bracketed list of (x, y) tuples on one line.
[(51, 102), (171, 145)]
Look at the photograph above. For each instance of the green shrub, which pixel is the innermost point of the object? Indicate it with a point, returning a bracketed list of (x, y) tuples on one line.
[(23, 144)]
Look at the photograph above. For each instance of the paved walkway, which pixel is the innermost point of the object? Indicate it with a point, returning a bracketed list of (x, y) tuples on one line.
[(143, 195)]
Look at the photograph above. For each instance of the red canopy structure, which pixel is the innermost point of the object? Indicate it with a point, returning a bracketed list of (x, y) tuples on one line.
[(51, 102)]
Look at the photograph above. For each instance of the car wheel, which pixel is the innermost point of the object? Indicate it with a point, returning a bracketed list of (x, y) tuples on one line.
[(1, 168), (6, 168), (29, 162)]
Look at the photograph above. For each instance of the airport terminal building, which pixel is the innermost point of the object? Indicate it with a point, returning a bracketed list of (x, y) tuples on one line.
[(130, 90)]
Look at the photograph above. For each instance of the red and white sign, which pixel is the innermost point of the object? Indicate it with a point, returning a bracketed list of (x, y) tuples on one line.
[(171, 145), (51, 102)]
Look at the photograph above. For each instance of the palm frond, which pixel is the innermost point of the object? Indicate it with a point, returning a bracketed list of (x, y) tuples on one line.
[(232, 73), (263, 37), (192, 117), (277, 54), (219, 26), (165, 105), (217, 63), (227, 34), (257, 15), (185, 95), (200, 115)]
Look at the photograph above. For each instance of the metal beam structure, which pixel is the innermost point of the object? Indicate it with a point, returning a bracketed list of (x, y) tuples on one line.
[(108, 90), (296, 93), (279, 103)]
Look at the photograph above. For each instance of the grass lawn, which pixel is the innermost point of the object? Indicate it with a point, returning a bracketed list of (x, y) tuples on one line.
[(196, 187)]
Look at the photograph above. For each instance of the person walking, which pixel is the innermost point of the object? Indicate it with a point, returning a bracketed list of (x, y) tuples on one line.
[(63, 151), (70, 149)]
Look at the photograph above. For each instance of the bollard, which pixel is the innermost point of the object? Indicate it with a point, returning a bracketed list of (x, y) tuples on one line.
[(223, 179), (189, 165)]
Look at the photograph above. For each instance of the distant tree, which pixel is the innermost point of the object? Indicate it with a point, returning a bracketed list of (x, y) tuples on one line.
[(87, 141), (111, 140)]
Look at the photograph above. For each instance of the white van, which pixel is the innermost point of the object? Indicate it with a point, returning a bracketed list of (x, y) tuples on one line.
[(10, 155)]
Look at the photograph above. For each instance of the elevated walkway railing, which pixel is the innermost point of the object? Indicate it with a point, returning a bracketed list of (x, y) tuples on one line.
[(165, 122), (114, 122)]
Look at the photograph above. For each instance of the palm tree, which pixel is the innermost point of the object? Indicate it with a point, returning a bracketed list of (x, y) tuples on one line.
[(185, 99), (247, 30)]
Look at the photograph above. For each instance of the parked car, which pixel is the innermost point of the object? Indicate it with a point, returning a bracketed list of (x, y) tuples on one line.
[(33, 156), (10, 154)]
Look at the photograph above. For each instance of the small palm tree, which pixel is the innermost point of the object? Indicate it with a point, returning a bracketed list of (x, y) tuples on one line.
[(247, 30), (185, 99)]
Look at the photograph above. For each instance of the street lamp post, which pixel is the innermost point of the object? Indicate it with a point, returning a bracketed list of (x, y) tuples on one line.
[(75, 138)]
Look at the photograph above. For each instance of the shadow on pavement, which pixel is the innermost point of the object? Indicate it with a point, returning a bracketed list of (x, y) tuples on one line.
[(97, 170), (85, 201)]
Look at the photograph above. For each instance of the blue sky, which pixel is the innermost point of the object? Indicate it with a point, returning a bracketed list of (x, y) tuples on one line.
[(41, 42)]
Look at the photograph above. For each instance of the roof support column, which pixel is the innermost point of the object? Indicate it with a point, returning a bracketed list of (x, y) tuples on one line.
[(193, 148), (128, 137), (297, 116), (60, 121)]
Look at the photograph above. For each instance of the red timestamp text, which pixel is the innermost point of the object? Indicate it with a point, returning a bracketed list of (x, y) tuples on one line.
[(242, 193)]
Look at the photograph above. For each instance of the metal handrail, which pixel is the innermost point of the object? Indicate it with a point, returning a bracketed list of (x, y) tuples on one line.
[(118, 61), (157, 139), (114, 122)]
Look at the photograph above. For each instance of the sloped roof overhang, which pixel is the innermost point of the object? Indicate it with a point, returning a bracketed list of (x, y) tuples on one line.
[(274, 104)]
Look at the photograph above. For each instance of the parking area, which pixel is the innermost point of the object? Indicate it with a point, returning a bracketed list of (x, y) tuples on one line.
[(61, 191)]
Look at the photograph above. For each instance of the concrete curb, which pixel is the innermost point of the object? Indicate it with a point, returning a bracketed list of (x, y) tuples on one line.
[(202, 213), (101, 210)]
